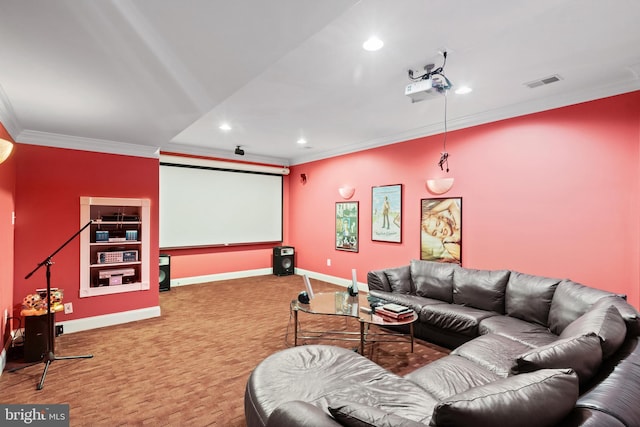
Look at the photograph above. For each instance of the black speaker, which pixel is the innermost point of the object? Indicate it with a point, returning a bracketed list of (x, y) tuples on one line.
[(283, 260), (165, 273), (35, 336)]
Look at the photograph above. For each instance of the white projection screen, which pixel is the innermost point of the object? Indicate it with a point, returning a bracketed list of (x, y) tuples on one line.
[(201, 206)]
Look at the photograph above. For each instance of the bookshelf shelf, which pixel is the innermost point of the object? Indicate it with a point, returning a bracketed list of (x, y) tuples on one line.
[(114, 254)]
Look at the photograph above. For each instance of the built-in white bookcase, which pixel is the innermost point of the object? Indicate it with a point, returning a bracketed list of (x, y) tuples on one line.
[(114, 248)]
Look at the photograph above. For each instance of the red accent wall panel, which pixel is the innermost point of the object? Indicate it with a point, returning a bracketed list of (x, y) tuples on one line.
[(7, 207), (49, 184), (554, 193)]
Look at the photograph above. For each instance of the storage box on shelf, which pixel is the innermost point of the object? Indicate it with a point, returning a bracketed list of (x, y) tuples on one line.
[(114, 253)]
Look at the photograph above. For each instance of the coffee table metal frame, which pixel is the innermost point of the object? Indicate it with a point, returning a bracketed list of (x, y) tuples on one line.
[(343, 304)]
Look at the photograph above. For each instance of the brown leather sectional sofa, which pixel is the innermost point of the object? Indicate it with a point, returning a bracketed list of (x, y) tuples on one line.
[(527, 351)]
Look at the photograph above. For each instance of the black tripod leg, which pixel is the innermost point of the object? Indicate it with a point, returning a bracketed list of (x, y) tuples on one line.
[(44, 375), (86, 356)]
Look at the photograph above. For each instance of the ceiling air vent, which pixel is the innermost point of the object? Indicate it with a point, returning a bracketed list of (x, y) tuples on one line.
[(544, 81)]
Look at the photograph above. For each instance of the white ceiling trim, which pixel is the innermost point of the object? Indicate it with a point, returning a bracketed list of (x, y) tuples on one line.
[(8, 116), (87, 144), (516, 110)]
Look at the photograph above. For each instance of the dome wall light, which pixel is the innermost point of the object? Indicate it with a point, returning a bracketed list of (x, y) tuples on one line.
[(6, 147), (372, 44), (439, 185), (346, 191)]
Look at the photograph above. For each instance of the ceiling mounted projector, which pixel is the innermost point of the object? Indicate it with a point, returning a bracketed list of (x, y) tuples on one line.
[(430, 84), (239, 151), (421, 90)]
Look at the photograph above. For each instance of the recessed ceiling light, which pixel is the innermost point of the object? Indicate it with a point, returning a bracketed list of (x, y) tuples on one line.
[(224, 126), (373, 44), (462, 90), (302, 141)]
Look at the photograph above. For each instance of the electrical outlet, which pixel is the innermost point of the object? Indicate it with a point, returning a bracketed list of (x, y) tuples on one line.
[(68, 308), (328, 262)]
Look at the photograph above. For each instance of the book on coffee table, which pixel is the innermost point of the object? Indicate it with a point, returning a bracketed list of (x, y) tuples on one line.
[(393, 315), (396, 308)]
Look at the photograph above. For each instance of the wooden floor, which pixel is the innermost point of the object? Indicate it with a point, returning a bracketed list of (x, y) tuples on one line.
[(188, 367)]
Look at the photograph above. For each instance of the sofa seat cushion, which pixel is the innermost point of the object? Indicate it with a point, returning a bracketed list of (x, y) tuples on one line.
[(616, 387), (451, 375), (570, 301), (583, 354), (414, 302), (319, 373), (433, 279), (483, 289), (494, 353), (583, 417), (538, 399), (459, 319), (531, 334), (604, 321), (299, 413), (529, 297), (351, 414)]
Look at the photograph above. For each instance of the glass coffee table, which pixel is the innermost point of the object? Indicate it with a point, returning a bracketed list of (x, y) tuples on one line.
[(343, 304)]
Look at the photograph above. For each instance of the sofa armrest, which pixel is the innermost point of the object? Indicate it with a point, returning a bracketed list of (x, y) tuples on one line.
[(298, 413), (377, 280)]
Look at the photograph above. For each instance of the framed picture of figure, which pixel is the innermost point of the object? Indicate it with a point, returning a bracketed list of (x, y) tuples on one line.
[(441, 230), (347, 226), (386, 213)]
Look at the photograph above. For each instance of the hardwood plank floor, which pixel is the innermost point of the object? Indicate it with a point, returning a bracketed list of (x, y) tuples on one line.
[(189, 366)]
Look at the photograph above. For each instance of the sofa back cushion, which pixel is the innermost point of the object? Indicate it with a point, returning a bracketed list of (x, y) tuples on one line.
[(541, 398), (570, 301), (604, 321), (433, 279), (529, 297), (583, 354), (399, 279), (483, 289)]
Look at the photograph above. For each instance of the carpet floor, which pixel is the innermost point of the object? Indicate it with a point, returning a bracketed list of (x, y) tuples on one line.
[(189, 366)]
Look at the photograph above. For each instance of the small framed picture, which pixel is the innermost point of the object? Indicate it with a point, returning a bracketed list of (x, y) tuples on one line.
[(386, 213), (441, 230), (347, 226)]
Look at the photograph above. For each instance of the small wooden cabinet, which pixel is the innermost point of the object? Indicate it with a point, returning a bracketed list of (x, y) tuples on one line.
[(114, 249)]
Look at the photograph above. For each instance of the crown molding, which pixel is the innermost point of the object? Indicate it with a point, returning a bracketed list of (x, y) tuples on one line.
[(174, 147), (489, 116), (87, 144), (8, 116)]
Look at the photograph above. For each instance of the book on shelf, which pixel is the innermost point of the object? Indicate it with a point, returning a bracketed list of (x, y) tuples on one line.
[(392, 315), (396, 308)]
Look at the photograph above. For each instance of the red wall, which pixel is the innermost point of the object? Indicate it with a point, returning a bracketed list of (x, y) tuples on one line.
[(553, 194), (49, 184), (7, 207)]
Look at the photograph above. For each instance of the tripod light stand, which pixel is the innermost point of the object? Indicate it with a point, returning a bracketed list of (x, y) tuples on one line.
[(50, 355)]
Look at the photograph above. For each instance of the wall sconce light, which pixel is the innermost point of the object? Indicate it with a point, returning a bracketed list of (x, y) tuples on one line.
[(5, 149), (346, 192), (439, 185)]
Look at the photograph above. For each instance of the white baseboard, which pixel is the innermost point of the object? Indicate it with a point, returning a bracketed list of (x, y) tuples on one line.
[(101, 321), (220, 276)]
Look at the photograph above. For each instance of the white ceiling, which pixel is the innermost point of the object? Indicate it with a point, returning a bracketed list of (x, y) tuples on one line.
[(135, 76)]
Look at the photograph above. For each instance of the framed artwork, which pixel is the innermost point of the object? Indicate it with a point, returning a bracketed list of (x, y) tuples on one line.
[(441, 230), (386, 213), (347, 226)]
